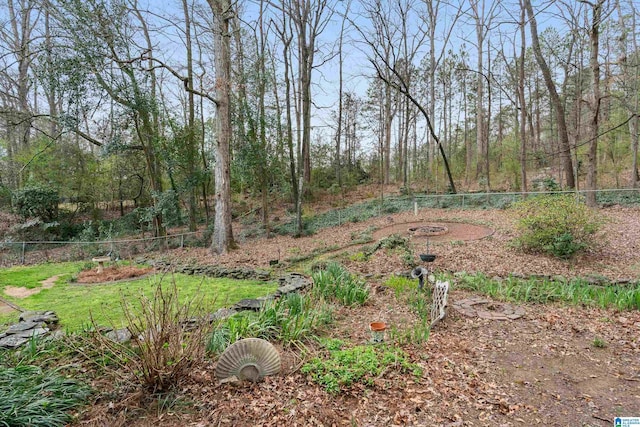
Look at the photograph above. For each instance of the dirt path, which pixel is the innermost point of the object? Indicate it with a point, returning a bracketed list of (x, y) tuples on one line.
[(6, 308), (22, 292)]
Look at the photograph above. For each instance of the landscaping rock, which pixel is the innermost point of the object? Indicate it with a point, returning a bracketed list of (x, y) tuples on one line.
[(31, 324), (292, 282), (119, 335), (35, 332), (48, 317), (23, 326), (222, 313), (248, 304), (12, 341)]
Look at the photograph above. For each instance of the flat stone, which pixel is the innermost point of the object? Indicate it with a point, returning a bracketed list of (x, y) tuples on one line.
[(473, 307), (39, 316), (119, 335), (248, 304), (222, 313), (12, 341), (23, 326), (35, 332)]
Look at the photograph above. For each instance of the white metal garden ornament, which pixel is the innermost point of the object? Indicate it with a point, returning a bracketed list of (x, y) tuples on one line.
[(438, 308)]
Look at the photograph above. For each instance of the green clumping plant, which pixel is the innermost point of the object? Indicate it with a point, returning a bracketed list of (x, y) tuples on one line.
[(558, 225), (599, 343), (359, 257), (415, 334), (335, 283), (342, 368), (34, 397), (407, 290), (290, 319), (574, 292), (400, 284)]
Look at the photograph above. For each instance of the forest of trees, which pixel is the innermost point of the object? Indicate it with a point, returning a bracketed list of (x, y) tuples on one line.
[(177, 106)]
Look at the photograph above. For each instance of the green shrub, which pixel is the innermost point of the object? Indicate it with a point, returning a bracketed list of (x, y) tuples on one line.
[(557, 225), (37, 202), (290, 319)]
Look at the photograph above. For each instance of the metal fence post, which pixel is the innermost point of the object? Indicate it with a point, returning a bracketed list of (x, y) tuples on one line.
[(24, 244)]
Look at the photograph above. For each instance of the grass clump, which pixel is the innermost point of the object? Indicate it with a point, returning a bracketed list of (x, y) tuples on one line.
[(558, 225), (574, 292), (33, 397), (342, 368), (335, 283), (406, 290), (599, 343), (289, 320)]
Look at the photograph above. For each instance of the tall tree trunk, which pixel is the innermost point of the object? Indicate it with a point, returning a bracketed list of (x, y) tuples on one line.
[(481, 137), (523, 105), (594, 37), (563, 135), (222, 232), (630, 82), (191, 119)]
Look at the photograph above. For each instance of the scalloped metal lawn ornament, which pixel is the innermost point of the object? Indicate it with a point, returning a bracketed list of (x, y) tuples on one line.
[(250, 359)]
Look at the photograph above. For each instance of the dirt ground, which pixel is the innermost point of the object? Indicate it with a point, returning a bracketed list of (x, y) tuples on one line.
[(543, 369)]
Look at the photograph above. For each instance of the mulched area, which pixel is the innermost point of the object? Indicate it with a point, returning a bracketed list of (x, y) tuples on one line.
[(112, 273)]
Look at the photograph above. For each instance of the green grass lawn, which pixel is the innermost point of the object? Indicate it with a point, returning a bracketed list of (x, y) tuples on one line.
[(30, 277), (75, 303)]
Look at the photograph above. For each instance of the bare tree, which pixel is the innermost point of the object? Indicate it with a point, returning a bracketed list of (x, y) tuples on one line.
[(17, 83), (595, 102), (310, 18), (630, 79), (192, 147), (522, 101), (555, 97)]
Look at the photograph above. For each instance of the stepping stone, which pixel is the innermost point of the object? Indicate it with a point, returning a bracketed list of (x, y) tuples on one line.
[(248, 304), (488, 309), (35, 332)]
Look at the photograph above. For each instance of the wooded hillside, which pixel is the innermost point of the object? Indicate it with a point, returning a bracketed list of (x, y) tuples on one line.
[(173, 109)]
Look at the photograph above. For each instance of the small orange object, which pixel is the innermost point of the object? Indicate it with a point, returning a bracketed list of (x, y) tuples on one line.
[(378, 326)]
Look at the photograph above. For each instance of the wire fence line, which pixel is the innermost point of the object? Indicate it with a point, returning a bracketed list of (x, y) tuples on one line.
[(29, 252)]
